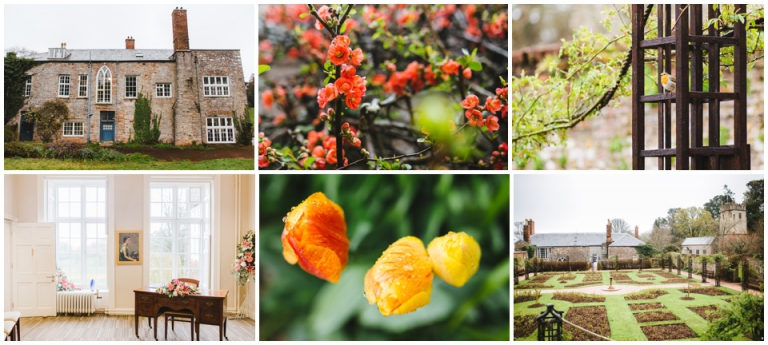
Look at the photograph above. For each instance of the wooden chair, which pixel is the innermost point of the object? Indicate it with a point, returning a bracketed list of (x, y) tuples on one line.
[(180, 315), (10, 333), (15, 317)]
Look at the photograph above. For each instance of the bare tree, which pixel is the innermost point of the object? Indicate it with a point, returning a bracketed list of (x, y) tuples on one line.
[(621, 226), (519, 228), (661, 236), (21, 52)]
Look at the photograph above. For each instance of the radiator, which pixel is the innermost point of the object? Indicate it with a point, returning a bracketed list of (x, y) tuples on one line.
[(76, 302)]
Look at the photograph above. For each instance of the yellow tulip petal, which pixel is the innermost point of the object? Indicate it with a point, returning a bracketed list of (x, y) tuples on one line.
[(455, 257), (401, 279)]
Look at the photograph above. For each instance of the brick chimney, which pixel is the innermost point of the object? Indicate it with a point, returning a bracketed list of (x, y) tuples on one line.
[(63, 45), (608, 230), (526, 232), (637, 232), (533, 226), (180, 31), (129, 43)]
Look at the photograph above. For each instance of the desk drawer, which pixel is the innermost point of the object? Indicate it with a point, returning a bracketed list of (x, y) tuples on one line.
[(144, 309), (176, 303), (210, 316)]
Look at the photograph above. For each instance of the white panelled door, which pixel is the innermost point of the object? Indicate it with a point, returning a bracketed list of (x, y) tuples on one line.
[(34, 269)]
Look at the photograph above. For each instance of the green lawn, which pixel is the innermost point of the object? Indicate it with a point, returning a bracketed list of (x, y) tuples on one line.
[(623, 324), (148, 164)]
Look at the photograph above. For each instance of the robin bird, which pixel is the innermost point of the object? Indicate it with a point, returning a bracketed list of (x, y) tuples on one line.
[(668, 82)]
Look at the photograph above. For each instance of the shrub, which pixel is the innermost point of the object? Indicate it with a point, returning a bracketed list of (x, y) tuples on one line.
[(49, 118), (743, 315), (64, 149), (10, 133), (19, 149), (243, 128)]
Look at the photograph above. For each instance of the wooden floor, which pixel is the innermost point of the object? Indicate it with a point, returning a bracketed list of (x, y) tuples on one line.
[(117, 328)]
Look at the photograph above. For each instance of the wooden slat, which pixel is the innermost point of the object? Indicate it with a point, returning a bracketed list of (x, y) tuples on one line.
[(658, 42), (723, 41), (659, 97), (713, 56), (697, 85), (713, 95), (713, 151), (682, 134), (668, 104), (661, 68), (740, 87), (658, 153), (638, 109)]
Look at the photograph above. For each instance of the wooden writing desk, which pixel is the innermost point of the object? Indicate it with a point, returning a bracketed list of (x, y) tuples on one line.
[(208, 308)]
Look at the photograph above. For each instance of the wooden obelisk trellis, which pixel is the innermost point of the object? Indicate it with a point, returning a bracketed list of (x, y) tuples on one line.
[(681, 31)]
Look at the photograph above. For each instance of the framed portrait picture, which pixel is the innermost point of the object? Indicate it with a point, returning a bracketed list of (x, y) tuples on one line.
[(129, 250)]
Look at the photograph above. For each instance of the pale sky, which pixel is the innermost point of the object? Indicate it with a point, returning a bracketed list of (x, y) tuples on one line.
[(583, 202), (39, 27)]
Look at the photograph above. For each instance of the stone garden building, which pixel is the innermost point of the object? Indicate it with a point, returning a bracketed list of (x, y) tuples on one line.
[(195, 91), (580, 246)]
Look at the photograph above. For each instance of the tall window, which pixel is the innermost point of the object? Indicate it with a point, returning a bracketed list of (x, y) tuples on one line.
[(179, 232), (28, 86), (220, 130), (216, 86), (79, 209), (130, 86), (104, 85), (163, 90), (64, 85), (82, 88), (542, 253)]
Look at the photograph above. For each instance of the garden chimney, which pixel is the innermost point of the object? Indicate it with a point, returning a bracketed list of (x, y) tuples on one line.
[(608, 229), (180, 30), (637, 232), (526, 232), (129, 43), (63, 45), (533, 226)]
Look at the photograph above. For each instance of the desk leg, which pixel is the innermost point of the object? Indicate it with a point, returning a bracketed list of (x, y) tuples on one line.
[(136, 324), (155, 327), (197, 329)]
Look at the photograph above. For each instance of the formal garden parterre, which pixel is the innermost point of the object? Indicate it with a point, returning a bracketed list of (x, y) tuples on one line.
[(666, 307)]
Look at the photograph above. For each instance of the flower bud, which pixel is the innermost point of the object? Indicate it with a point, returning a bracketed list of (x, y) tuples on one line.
[(401, 279), (455, 257), (315, 236)]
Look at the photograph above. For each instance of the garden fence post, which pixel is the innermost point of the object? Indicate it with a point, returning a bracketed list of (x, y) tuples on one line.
[(550, 324), (744, 275), (662, 263), (516, 271), (679, 263), (527, 269), (690, 267), (717, 273), (703, 271), (670, 263)]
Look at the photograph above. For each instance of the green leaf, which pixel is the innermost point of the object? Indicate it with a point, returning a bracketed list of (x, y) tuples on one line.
[(327, 66), (263, 68), (472, 56), (327, 79), (440, 306), (343, 28), (336, 303), (387, 44), (309, 162), (464, 50), (475, 66), (303, 15)]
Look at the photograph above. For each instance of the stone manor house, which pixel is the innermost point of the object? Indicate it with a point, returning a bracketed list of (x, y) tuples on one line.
[(581, 246), (733, 224), (195, 90)]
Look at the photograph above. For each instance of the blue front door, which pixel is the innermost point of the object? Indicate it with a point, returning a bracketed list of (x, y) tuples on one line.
[(107, 132), (26, 129)]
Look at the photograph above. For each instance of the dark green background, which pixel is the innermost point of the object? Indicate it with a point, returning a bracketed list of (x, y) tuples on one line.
[(380, 209)]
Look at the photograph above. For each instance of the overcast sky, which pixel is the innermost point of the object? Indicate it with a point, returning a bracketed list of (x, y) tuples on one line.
[(584, 202), (39, 27)]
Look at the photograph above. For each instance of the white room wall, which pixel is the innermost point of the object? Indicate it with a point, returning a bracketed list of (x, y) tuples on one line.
[(23, 192)]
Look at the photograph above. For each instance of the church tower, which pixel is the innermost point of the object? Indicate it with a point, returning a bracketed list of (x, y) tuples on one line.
[(733, 218)]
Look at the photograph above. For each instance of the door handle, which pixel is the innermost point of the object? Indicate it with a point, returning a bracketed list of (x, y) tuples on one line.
[(52, 280)]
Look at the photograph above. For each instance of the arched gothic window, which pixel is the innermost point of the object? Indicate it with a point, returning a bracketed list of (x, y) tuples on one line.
[(104, 85)]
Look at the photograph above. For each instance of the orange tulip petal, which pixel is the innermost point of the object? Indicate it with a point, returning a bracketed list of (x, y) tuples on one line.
[(315, 236), (401, 279)]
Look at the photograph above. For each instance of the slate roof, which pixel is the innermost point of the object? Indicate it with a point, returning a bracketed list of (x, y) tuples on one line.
[(583, 239), (111, 55), (693, 241)]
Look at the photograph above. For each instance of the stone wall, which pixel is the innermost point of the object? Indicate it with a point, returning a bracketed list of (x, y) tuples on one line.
[(623, 253), (189, 77), (45, 86), (573, 253)]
